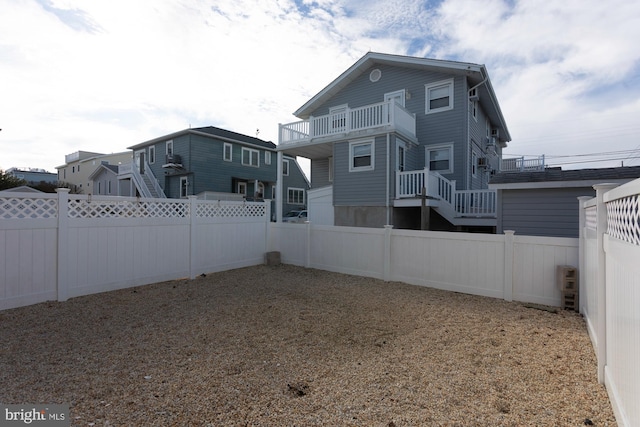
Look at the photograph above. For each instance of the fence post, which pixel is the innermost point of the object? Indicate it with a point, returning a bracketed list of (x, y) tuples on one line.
[(601, 278), (386, 273), (267, 225), (62, 285), (508, 265), (582, 223), (192, 236), (307, 257)]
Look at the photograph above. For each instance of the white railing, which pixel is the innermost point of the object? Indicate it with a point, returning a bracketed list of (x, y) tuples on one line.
[(132, 168), (463, 202), (520, 164), (390, 114)]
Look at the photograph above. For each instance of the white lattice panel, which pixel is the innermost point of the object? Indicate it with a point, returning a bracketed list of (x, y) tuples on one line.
[(623, 219), (127, 209), (227, 210), (28, 208), (591, 218)]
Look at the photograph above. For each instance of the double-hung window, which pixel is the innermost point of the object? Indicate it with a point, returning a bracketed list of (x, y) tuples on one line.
[(361, 156), (440, 158), (439, 96), (250, 157), (285, 167), (228, 152), (152, 155)]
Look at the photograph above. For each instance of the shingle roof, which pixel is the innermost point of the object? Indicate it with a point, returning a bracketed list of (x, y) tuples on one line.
[(212, 130), (557, 174)]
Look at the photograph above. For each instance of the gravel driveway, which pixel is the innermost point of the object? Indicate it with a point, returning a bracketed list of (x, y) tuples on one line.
[(289, 346)]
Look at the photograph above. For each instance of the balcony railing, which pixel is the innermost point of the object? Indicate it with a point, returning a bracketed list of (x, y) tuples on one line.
[(385, 114), (475, 203), (520, 164)]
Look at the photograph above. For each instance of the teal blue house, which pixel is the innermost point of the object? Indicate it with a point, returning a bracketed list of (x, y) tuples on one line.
[(211, 163)]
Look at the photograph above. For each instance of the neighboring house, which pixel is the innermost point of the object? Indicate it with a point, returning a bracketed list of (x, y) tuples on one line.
[(81, 164), (210, 162), (21, 189), (33, 176), (105, 180), (545, 203), (390, 126)]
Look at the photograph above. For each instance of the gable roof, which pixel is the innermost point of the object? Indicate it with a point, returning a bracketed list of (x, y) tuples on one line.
[(104, 166), (476, 73), (211, 131), (556, 177)]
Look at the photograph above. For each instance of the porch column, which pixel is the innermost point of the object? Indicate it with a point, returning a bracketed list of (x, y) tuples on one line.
[(279, 192)]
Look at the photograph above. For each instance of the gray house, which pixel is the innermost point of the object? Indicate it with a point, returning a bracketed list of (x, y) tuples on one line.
[(211, 163), (545, 203), (105, 180), (392, 127)]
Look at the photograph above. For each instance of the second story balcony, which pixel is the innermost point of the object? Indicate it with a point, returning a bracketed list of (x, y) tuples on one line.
[(367, 120)]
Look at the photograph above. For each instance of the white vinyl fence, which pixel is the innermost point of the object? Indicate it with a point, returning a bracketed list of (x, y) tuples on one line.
[(610, 289), (58, 246), (511, 267)]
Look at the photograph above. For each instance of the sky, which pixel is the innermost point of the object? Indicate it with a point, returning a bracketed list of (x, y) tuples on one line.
[(101, 76)]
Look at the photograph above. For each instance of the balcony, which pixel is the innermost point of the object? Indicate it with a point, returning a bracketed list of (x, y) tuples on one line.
[(521, 164), (460, 207), (306, 137)]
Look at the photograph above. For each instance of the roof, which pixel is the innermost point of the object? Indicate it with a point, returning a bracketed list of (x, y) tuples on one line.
[(211, 131), (112, 168), (21, 189), (476, 73), (556, 177)]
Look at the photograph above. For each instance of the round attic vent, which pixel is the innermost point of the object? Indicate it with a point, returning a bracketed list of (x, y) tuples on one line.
[(375, 75)]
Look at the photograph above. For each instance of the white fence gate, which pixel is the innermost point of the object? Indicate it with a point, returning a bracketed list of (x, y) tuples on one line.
[(610, 288), (53, 247)]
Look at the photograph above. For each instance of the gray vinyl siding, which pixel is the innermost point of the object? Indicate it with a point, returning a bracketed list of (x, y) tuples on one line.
[(207, 170), (362, 188), (446, 127), (295, 179), (320, 173), (541, 212)]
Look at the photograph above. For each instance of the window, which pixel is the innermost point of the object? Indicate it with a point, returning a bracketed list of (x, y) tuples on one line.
[(401, 157), (361, 156), (169, 148), (439, 96), (250, 157), (242, 188), (487, 125), (73, 169), (295, 196), (184, 187), (440, 158), (473, 107), (285, 167), (267, 157), (78, 168), (474, 164), (228, 152), (152, 155), (108, 187)]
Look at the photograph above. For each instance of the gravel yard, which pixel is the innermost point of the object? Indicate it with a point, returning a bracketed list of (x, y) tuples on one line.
[(288, 346)]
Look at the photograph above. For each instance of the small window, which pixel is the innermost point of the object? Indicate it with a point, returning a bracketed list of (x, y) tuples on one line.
[(242, 188), (184, 187), (228, 152), (295, 196), (169, 148), (108, 187), (78, 168), (285, 167), (474, 164), (73, 169), (473, 107), (439, 96), (250, 157), (361, 156), (267, 157), (440, 158), (152, 155)]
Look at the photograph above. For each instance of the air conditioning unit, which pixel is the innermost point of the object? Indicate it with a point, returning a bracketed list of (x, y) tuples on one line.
[(473, 95), (482, 162), (495, 133)]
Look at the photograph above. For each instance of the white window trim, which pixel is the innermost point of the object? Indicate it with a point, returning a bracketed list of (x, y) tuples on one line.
[(401, 144), (369, 167), (289, 198), (251, 152), (448, 146), (430, 86), (396, 94), (152, 154), (285, 167), (228, 158), (169, 148), (267, 157), (474, 110)]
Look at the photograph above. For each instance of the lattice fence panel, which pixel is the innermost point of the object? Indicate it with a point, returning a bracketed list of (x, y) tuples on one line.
[(225, 210), (32, 208), (127, 209), (623, 219)]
